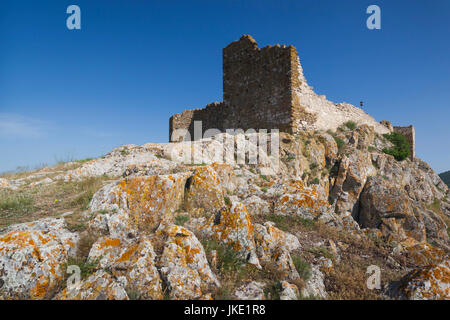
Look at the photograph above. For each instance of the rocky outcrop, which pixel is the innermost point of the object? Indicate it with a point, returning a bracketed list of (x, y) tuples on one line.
[(99, 286), (204, 191), (389, 209), (146, 202), (133, 260), (315, 287), (32, 258), (289, 291), (233, 226), (250, 291), (426, 283), (274, 247), (184, 266), (165, 228)]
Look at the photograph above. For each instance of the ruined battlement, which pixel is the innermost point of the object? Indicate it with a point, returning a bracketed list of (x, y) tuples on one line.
[(410, 136), (264, 88)]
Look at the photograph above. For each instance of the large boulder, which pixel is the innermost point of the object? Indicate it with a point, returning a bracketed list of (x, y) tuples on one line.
[(388, 208), (146, 201), (301, 200), (134, 260), (184, 266), (204, 191), (98, 286), (353, 172), (32, 258), (425, 283), (252, 290), (233, 226)]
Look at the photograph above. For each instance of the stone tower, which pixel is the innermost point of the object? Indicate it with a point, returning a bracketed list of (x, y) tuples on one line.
[(264, 88)]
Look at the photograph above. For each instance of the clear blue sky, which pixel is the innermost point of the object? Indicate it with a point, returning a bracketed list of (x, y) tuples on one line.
[(134, 63)]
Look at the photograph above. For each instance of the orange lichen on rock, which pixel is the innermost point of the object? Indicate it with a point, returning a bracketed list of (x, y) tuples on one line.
[(273, 246), (427, 283), (204, 190), (134, 260), (226, 175), (421, 253), (233, 226), (184, 265), (31, 262), (99, 286), (301, 200), (143, 202)]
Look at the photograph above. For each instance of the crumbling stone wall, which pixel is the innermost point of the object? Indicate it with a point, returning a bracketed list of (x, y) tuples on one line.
[(212, 116), (257, 91), (409, 134), (266, 89), (257, 85)]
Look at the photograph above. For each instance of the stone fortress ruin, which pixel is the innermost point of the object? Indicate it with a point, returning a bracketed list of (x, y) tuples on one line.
[(264, 88)]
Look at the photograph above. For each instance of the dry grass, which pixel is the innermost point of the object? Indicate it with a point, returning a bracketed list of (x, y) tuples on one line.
[(32, 203), (347, 279), (232, 272)]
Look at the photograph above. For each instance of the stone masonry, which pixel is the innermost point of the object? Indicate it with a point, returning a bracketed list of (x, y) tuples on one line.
[(409, 134), (264, 88)]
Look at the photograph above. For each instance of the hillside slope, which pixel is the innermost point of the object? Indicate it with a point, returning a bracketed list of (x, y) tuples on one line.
[(144, 222)]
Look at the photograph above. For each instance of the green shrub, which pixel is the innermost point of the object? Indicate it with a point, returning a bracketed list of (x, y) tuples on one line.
[(351, 125), (228, 260), (330, 200), (87, 267), (273, 290), (400, 150), (181, 219), (340, 143), (315, 181)]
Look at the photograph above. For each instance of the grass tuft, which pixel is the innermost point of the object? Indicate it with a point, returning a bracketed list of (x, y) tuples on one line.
[(181, 219), (302, 266), (351, 125)]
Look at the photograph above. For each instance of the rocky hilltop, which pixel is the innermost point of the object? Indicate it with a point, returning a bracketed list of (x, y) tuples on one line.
[(140, 224)]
